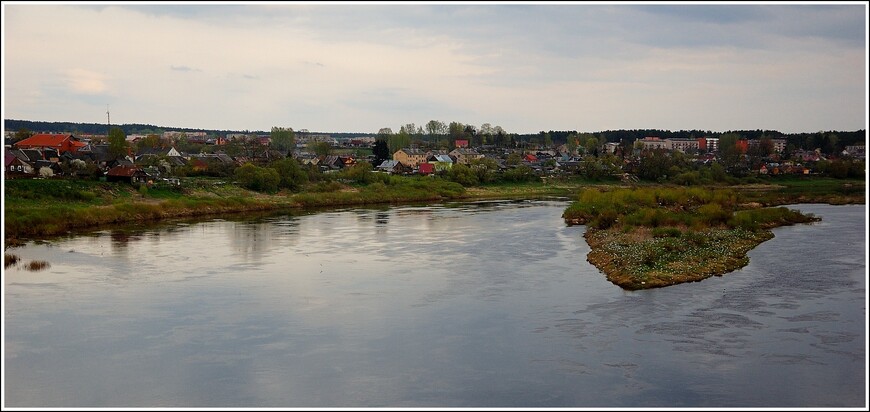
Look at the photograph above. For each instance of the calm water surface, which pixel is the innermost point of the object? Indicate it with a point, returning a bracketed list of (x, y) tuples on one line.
[(487, 304)]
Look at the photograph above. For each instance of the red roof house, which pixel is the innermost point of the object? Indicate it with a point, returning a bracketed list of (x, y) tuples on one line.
[(426, 168), (61, 142), (129, 174)]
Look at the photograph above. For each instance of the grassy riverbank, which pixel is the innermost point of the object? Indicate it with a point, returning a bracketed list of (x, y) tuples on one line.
[(659, 236), (43, 208)]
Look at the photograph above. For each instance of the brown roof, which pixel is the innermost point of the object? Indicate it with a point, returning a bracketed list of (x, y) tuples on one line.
[(125, 171)]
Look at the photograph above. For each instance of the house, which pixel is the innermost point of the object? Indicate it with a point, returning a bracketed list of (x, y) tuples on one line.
[(128, 174), (60, 142), (461, 143), (149, 151), (410, 157), (441, 162), (331, 162), (15, 166), (425, 169), (465, 156), (391, 166)]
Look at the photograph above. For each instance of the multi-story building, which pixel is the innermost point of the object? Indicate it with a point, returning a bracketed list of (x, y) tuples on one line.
[(683, 145), (410, 157), (708, 144), (650, 143)]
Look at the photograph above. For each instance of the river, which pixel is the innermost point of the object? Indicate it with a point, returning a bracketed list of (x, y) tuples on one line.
[(485, 304)]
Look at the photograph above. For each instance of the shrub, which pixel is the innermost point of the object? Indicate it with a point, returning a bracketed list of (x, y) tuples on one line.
[(292, 176), (37, 265), (713, 214), (9, 259), (666, 232), (258, 178), (605, 220)]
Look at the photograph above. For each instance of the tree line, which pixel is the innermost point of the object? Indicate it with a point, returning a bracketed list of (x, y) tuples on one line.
[(436, 133)]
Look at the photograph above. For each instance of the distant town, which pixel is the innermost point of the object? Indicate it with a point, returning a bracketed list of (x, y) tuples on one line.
[(685, 157)]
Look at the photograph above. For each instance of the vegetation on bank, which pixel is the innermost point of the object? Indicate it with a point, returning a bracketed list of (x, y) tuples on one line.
[(649, 237), (654, 236)]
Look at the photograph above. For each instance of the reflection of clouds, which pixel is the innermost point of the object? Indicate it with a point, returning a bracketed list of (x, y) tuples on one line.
[(323, 310)]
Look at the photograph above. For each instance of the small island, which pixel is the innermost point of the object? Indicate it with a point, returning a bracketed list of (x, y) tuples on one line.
[(645, 238)]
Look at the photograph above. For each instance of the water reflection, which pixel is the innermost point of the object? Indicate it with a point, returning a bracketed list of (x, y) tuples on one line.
[(489, 304)]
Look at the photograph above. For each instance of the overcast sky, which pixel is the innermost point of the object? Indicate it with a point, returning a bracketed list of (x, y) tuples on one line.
[(358, 68)]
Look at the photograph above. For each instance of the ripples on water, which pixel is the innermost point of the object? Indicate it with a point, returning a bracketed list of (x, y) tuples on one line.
[(487, 304)]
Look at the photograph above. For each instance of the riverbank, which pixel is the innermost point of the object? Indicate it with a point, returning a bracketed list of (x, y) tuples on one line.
[(41, 208)]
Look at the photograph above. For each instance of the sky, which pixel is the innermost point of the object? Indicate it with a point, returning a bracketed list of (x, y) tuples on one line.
[(527, 67)]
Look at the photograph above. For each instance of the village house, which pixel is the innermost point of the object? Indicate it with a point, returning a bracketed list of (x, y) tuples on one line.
[(127, 174), (14, 165), (391, 167), (441, 162), (465, 156)]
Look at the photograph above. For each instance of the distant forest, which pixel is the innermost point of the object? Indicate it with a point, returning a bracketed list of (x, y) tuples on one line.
[(828, 141), (12, 125)]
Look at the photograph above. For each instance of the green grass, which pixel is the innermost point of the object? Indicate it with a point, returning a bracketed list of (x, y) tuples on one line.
[(658, 236), (45, 207)]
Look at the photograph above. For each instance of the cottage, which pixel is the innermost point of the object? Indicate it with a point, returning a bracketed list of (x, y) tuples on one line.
[(149, 152), (15, 166), (441, 162), (129, 174), (426, 168), (391, 166)]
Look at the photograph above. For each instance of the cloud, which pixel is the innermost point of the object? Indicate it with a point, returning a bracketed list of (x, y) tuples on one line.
[(85, 81), (524, 67), (183, 69)]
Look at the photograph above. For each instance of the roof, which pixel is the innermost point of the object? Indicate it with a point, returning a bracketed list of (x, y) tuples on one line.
[(126, 171), (8, 157), (50, 140), (443, 158), (388, 164), (412, 151)]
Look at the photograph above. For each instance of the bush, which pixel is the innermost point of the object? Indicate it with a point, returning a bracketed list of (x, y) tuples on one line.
[(292, 176), (258, 178), (463, 175), (666, 232), (713, 214)]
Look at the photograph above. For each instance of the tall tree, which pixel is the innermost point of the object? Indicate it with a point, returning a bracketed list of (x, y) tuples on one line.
[(283, 139), (436, 128), (399, 140), (456, 131), (381, 151), (151, 141), (321, 148), (117, 142), (591, 146), (22, 133)]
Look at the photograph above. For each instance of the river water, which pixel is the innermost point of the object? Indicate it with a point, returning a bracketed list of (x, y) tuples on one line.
[(487, 304)]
